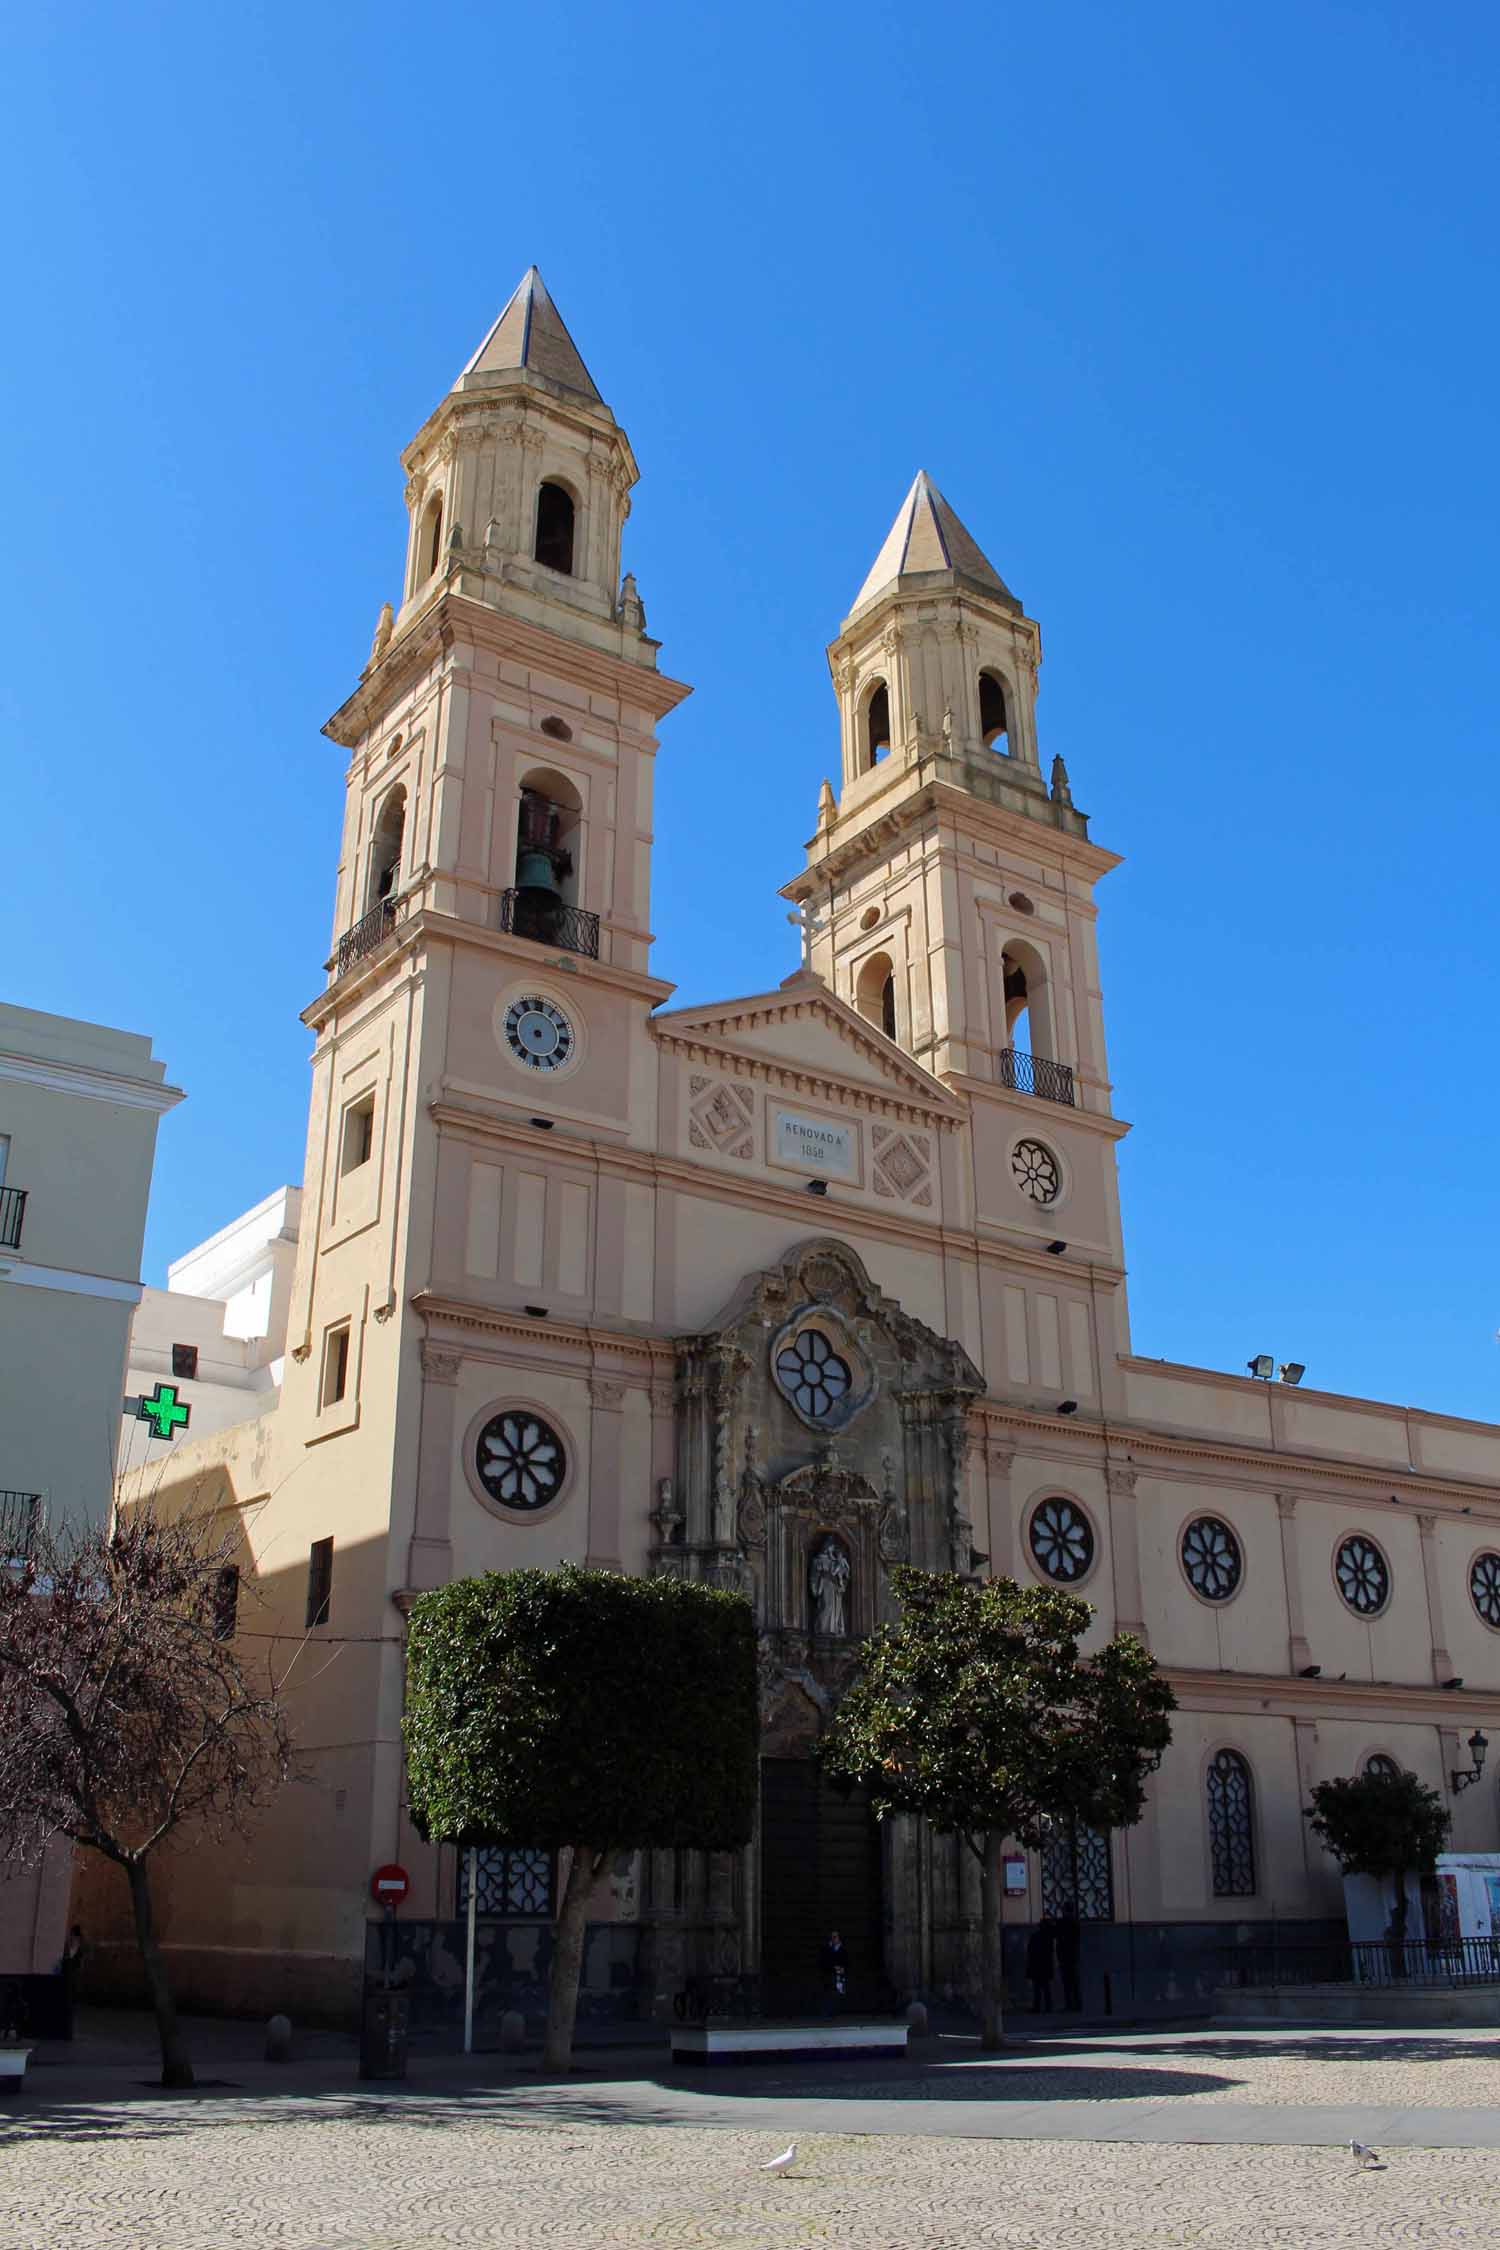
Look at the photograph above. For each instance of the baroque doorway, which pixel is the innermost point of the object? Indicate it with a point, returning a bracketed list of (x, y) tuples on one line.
[(819, 1871)]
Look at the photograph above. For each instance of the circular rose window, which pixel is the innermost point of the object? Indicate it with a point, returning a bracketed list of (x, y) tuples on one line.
[(1062, 1539), (1036, 1172), (1484, 1588), (813, 1376), (519, 1460), (1211, 1557), (1363, 1576)]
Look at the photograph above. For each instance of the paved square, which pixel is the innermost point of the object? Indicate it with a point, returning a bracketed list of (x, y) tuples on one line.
[(1145, 2141)]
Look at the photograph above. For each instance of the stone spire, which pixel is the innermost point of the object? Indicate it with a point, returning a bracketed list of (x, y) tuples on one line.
[(927, 537), (530, 333)]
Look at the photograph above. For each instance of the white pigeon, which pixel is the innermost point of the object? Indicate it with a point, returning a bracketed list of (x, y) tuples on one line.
[(1369, 2158), (783, 2162)]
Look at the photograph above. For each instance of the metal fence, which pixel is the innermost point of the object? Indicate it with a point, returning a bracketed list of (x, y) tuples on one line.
[(546, 921), (1034, 1074), (370, 930), (12, 1213), (1419, 1961)]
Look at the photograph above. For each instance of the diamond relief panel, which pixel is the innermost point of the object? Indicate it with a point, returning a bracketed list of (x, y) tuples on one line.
[(903, 1165), (721, 1117)]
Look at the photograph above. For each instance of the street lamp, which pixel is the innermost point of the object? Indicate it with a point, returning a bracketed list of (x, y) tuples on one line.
[(1479, 1742)]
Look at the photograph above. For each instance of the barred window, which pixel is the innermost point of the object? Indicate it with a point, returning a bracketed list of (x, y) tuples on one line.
[(1382, 1767), (1231, 1832), (1076, 1874), (512, 1884)]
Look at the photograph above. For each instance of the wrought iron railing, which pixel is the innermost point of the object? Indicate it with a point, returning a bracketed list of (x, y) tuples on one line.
[(1033, 1074), (20, 1514), (12, 1213), (532, 914), (1419, 1961), (370, 930)]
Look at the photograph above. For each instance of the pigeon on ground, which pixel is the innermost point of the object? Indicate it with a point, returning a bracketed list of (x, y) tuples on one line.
[(1369, 2158), (784, 2162)]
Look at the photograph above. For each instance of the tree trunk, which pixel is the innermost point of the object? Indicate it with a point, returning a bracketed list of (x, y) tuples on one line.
[(176, 2070), (1398, 1926), (567, 1955), (991, 1996)]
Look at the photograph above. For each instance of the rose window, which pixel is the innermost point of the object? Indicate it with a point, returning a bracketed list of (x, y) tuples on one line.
[(1036, 1172), (813, 1376), (1062, 1539), (1211, 1557), (520, 1461), (1484, 1588), (1363, 1577)]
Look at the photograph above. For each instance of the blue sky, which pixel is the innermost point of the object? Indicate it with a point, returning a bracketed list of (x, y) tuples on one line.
[(1189, 310)]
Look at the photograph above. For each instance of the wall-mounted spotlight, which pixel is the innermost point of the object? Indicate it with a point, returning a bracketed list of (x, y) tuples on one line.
[(977, 1561), (535, 1312), (1311, 1672), (542, 1124), (817, 1187), (1067, 1406), (1262, 1367), (1056, 1249), (1457, 1681), (1293, 1371), (1479, 1742)]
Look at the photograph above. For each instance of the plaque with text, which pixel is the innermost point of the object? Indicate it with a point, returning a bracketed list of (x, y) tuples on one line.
[(815, 1144)]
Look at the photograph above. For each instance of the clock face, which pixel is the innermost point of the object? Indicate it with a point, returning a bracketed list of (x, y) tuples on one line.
[(538, 1034)]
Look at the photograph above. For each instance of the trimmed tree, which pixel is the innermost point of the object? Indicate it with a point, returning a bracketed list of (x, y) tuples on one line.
[(126, 1714), (576, 1708), (977, 1711), (1382, 1824)]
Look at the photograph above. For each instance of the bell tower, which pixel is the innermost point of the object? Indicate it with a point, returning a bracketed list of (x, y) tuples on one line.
[(948, 888)]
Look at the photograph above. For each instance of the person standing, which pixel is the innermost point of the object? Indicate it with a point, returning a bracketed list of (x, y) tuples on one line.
[(1069, 1946), (1040, 1948), (835, 1972)]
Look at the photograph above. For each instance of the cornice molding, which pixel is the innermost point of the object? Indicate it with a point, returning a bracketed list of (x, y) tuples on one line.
[(1280, 1696), (88, 1081), (707, 1030)]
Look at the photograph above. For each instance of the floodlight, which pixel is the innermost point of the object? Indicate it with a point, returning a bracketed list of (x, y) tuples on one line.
[(1293, 1371), (1263, 1366)]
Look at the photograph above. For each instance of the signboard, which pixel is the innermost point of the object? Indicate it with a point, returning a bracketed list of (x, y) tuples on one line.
[(814, 1143), (1015, 1877), (163, 1410), (389, 1885)]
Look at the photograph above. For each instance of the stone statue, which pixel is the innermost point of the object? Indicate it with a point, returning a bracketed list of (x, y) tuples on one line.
[(828, 1577)]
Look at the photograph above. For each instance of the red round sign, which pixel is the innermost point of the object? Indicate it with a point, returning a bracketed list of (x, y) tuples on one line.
[(389, 1885)]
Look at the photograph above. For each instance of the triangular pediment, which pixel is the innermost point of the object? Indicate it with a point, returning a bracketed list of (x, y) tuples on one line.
[(804, 1029)]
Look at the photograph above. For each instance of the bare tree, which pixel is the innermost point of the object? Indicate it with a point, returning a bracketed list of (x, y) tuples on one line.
[(125, 1711)]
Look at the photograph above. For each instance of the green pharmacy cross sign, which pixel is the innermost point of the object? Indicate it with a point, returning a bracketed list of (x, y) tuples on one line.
[(163, 1411)]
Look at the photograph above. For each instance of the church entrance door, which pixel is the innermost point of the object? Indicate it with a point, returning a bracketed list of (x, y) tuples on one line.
[(819, 1871)]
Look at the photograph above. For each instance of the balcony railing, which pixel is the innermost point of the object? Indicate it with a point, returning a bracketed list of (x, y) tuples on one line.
[(12, 1213), (370, 930), (532, 914), (1033, 1074), (20, 1514)]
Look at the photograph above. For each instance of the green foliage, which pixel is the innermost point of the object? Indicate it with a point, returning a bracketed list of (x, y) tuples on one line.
[(557, 1706), (977, 1710), (1380, 1823)]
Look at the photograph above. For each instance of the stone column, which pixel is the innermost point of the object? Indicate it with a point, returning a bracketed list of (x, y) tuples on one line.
[(1442, 1662), (605, 1431), (1298, 1654), (1126, 1553), (430, 1555), (999, 1460)]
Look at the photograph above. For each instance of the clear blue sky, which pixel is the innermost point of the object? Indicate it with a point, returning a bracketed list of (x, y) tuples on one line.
[(1191, 312)]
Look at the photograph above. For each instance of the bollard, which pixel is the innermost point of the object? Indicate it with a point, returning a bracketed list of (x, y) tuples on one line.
[(279, 2039), (916, 2016), (512, 2031)]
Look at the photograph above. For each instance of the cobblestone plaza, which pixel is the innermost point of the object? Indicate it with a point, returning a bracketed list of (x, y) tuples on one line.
[(1222, 2139)]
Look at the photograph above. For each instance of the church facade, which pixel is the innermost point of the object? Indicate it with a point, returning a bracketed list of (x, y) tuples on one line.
[(773, 1292)]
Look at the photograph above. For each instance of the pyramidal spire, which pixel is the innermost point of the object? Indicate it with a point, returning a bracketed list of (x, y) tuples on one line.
[(531, 333), (927, 536)]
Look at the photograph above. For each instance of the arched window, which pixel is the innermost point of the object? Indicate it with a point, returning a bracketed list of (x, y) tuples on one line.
[(875, 993), (877, 724), (1017, 1002), (554, 528), (1382, 1766), (1231, 1826), (993, 724), (432, 536), (385, 848)]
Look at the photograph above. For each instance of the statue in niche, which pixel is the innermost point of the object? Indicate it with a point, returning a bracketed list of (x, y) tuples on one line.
[(828, 1579)]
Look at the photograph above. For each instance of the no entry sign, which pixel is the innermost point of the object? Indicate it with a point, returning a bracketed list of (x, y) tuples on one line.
[(389, 1885)]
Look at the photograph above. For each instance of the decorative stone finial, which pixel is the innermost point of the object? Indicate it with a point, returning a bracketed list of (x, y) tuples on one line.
[(632, 608), (826, 806), (385, 625), (1061, 792)]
